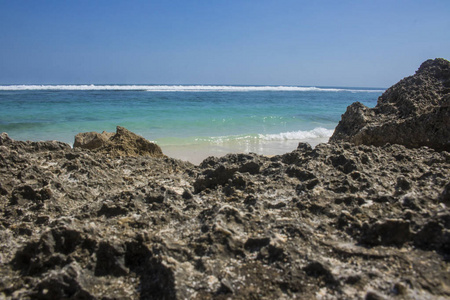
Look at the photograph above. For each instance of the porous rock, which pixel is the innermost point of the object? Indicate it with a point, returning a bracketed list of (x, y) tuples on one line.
[(92, 140), (414, 112), (121, 143), (337, 220)]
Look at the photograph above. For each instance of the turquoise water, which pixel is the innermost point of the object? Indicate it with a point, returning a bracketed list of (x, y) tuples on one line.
[(187, 121)]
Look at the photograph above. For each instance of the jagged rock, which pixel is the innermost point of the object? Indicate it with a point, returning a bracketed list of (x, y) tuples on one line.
[(92, 140), (110, 259), (335, 220), (434, 235), (122, 143), (389, 232), (414, 112), (445, 196), (62, 284), (318, 270), (5, 139), (29, 146)]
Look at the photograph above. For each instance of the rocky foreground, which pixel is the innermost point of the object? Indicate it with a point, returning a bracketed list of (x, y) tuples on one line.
[(341, 221)]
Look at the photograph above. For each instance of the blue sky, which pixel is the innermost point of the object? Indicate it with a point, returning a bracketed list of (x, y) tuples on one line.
[(313, 43)]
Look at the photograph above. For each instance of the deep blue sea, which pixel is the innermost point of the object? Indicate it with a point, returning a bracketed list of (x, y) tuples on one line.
[(189, 122)]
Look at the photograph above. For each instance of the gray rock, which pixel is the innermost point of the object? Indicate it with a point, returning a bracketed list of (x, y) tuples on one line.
[(414, 112), (78, 223)]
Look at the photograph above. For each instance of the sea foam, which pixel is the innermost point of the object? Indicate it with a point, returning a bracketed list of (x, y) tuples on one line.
[(181, 88), (304, 135), (316, 133)]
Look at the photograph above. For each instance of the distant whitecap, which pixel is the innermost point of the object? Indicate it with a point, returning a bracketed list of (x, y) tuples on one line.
[(181, 88)]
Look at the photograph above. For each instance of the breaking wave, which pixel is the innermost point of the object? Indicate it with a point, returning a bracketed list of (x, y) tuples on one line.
[(298, 135), (317, 133)]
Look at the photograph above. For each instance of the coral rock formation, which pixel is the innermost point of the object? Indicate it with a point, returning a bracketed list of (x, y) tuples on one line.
[(339, 221), (414, 112), (122, 143)]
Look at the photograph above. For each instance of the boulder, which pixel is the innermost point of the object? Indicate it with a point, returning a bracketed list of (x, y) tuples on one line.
[(414, 112), (5, 139), (121, 143), (92, 140)]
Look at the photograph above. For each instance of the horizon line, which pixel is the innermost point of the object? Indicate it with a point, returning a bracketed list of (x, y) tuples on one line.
[(194, 84)]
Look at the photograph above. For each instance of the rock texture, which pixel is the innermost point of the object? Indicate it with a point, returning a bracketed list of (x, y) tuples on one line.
[(336, 222), (122, 143), (414, 112)]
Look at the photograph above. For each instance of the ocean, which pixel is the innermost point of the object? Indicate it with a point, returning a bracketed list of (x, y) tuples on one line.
[(189, 122)]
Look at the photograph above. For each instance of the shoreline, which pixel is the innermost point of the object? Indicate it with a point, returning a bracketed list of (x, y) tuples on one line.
[(196, 153)]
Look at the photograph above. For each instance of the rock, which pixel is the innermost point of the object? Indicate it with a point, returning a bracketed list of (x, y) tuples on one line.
[(109, 210), (255, 244), (29, 146), (445, 196), (343, 163), (25, 192), (434, 235), (110, 259), (372, 295), (122, 143), (299, 173), (414, 112), (48, 146), (5, 139), (63, 284), (318, 270), (82, 224), (400, 289), (389, 232), (92, 140), (49, 252)]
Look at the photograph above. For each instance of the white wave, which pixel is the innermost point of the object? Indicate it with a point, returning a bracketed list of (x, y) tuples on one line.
[(316, 133), (83, 87), (181, 88), (298, 135)]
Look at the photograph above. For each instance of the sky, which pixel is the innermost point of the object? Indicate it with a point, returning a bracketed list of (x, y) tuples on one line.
[(358, 43)]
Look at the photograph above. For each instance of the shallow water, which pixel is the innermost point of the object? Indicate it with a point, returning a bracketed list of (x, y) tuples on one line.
[(188, 122)]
